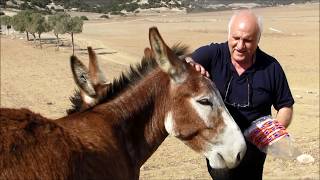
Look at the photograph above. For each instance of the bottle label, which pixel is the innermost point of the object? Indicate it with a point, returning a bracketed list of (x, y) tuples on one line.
[(267, 132)]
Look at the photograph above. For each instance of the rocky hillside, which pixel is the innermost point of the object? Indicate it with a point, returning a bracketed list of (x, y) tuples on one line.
[(100, 6), (117, 6)]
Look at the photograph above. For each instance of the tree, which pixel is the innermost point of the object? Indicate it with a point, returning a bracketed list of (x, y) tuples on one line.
[(58, 25), (6, 21), (43, 26), (38, 25), (20, 22), (74, 25), (30, 25)]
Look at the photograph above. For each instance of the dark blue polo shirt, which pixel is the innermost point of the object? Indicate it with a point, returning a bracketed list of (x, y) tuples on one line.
[(251, 95)]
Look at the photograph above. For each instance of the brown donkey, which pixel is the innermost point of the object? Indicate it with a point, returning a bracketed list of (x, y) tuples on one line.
[(112, 139)]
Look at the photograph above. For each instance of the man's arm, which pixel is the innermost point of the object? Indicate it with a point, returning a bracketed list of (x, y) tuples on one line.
[(284, 116)]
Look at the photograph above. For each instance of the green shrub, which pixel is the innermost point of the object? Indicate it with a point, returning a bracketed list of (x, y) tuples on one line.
[(84, 18), (104, 16)]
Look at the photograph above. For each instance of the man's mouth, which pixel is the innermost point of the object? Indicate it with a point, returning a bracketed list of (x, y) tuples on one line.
[(239, 51)]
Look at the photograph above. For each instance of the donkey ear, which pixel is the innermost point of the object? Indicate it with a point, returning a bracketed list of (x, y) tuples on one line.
[(96, 74), (148, 53), (81, 76), (166, 59)]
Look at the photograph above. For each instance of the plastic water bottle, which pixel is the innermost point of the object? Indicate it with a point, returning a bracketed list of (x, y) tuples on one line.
[(283, 148), (272, 138)]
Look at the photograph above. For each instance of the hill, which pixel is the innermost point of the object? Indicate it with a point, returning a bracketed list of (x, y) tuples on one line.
[(116, 6)]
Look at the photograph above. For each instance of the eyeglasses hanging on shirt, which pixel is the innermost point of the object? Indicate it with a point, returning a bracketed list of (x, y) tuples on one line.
[(235, 104)]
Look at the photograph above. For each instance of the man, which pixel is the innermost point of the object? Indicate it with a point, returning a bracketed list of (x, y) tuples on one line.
[(250, 82)]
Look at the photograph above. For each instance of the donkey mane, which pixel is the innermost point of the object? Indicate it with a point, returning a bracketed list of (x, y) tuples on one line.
[(126, 79)]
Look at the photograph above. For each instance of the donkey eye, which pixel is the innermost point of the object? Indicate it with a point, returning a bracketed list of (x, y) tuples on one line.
[(205, 102)]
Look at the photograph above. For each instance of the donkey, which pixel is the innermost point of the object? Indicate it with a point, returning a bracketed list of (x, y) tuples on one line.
[(113, 138)]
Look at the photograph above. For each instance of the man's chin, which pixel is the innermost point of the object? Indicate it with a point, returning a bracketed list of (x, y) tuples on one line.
[(239, 59)]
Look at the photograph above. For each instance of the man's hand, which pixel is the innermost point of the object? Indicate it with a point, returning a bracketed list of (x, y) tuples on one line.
[(198, 67)]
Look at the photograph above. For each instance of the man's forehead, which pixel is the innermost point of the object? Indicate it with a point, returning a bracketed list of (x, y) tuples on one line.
[(244, 23), (244, 28), (243, 34)]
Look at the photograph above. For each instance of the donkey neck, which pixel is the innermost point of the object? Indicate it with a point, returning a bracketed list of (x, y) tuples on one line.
[(140, 112)]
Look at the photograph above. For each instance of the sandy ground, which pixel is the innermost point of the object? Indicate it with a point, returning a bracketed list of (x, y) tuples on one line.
[(40, 79)]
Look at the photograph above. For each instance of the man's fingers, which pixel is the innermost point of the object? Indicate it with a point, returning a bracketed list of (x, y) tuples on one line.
[(189, 60), (202, 70), (197, 66), (191, 63), (207, 74)]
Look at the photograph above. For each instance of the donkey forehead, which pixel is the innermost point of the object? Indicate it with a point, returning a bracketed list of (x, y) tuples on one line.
[(185, 99), (185, 102), (196, 85)]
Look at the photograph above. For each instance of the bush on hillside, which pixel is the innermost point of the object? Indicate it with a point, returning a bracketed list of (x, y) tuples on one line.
[(104, 16), (84, 18)]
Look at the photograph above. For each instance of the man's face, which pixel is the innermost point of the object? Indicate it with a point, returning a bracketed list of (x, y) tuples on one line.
[(243, 39)]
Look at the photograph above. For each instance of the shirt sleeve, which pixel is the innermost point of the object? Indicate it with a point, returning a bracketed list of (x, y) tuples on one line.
[(204, 55), (282, 96)]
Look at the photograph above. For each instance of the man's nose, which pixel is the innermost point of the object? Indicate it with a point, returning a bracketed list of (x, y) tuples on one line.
[(240, 45)]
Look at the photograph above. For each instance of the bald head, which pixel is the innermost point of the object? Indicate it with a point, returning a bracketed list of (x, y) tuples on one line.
[(243, 37), (246, 20)]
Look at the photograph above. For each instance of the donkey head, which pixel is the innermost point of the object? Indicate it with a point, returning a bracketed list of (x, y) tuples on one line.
[(92, 82), (197, 115)]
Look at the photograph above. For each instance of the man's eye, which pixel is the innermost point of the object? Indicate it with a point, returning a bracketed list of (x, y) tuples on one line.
[(205, 102)]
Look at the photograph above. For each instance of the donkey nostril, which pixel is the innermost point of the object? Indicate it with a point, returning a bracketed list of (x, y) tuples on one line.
[(239, 157), (221, 157)]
